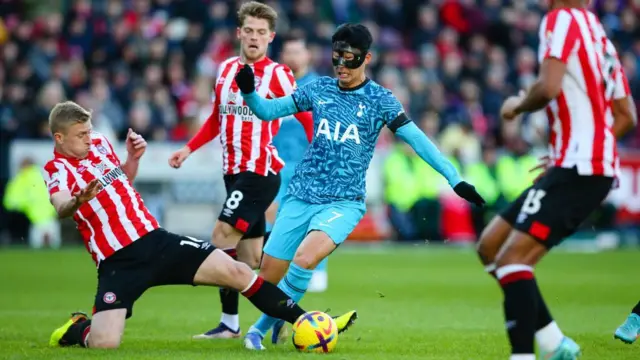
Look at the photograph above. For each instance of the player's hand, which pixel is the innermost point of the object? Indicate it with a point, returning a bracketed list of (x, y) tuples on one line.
[(178, 157), (469, 193), (508, 109), (245, 80), (89, 192), (136, 145), (544, 164)]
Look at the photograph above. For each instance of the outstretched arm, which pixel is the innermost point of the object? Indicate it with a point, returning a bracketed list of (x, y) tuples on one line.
[(265, 109), (419, 141), (270, 109)]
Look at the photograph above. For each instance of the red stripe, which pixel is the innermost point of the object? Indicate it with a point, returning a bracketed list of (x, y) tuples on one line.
[(552, 132), (253, 289), (565, 122), (625, 82), (265, 139), (85, 336), (109, 208), (232, 252), (228, 131), (516, 276), (551, 23), (246, 144), (595, 92), (275, 86)]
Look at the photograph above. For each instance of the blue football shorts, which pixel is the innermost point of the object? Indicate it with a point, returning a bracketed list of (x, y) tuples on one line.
[(296, 218)]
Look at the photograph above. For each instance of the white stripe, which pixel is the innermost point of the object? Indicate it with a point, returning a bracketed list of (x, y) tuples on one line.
[(283, 79), (98, 210), (256, 130), (510, 269), (588, 127), (132, 196), (63, 176), (92, 240), (560, 30), (490, 268), (223, 143), (121, 210), (253, 280), (224, 99), (137, 206)]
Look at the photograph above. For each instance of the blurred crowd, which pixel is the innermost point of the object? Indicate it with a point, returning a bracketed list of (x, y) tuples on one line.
[(150, 64)]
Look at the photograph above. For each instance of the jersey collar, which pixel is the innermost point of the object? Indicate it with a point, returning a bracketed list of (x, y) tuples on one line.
[(261, 63), (364, 83)]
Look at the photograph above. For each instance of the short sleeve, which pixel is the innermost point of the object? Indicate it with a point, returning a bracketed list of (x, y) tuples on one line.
[(57, 177), (303, 96), (559, 35), (393, 114), (283, 82), (622, 89)]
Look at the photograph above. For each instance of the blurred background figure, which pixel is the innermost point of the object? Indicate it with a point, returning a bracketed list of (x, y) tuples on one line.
[(27, 198), (291, 140)]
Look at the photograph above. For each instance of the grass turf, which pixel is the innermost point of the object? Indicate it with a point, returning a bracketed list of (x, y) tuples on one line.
[(413, 303)]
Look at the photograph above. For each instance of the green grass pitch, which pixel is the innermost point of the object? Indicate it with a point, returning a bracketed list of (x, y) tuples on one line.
[(414, 303)]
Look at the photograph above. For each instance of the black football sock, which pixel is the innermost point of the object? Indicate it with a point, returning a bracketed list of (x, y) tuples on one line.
[(520, 306), (636, 309), (544, 316), (229, 297), (272, 301), (77, 334)]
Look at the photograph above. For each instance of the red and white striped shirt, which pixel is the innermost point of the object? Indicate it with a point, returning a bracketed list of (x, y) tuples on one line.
[(247, 140), (580, 129), (116, 217)]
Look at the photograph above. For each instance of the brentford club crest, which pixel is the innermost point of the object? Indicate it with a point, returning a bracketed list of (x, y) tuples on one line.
[(257, 81), (109, 298), (101, 149), (232, 97)]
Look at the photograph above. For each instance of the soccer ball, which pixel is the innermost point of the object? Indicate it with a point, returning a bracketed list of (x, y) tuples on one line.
[(316, 332)]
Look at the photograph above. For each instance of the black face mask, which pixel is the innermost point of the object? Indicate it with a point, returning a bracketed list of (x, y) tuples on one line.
[(342, 47)]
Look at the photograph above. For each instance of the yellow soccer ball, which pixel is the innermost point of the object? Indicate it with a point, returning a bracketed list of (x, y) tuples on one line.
[(316, 332)]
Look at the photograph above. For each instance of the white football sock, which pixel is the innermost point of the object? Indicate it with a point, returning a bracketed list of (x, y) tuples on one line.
[(549, 337), (523, 357), (232, 321)]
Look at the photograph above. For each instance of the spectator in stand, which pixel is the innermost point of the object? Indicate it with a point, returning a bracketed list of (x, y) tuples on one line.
[(151, 64)]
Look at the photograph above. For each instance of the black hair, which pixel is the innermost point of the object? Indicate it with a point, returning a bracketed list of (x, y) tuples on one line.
[(356, 35)]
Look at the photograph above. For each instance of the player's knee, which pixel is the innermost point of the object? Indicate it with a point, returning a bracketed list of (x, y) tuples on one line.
[(489, 244), (237, 273), (483, 249), (225, 236), (253, 261), (305, 260)]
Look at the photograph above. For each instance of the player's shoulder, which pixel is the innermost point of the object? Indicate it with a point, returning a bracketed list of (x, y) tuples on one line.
[(281, 67), (52, 166), (324, 81), (228, 61), (378, 92)]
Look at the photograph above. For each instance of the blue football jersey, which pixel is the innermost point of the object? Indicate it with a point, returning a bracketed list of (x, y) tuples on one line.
[(347, 123), (291, 140)]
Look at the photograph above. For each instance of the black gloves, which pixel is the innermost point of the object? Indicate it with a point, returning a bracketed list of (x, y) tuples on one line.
[(245, 80), (469, 193)]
